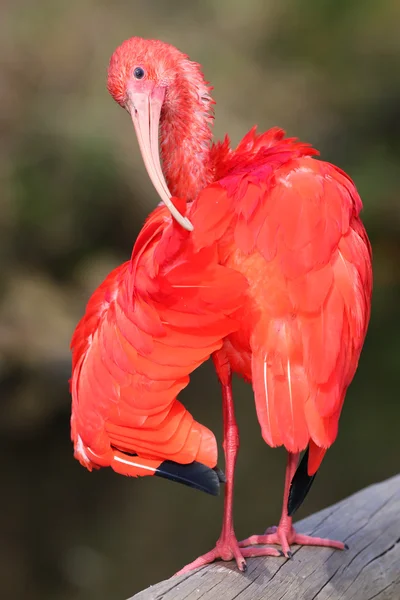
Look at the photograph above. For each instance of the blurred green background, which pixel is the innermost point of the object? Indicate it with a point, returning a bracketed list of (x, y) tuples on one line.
[(74, 195)]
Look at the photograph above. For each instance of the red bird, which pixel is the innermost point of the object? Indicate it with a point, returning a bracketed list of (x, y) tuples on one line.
[(269, 212)]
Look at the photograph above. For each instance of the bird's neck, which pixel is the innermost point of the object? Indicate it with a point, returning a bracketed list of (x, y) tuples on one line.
[(186, 136)]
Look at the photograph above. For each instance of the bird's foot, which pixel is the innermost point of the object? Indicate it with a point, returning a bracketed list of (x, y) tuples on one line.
[(286, 536), (227, 548)]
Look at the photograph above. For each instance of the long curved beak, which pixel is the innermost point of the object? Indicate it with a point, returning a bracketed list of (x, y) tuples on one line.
[(145, 110)]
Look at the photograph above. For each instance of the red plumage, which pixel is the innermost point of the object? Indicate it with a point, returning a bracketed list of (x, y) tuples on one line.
[(275, 281), (146, 328), (282, 218)]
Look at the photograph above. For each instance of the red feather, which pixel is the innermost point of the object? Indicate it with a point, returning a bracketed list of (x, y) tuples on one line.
[(290, 225), (131, 357)]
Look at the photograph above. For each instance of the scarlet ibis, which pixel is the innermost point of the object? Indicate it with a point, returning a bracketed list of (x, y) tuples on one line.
[(268, 211), (290, 224)]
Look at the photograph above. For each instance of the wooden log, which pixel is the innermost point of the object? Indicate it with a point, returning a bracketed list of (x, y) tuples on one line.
[(369, 522)]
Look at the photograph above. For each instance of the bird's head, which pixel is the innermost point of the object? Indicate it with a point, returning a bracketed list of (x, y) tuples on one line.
[(155, 82)]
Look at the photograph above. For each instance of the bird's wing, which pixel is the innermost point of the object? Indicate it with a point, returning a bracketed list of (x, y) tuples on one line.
[(296, 235), (147, 327)]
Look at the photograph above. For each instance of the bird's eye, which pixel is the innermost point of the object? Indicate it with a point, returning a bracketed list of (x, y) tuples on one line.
[(138, 73)]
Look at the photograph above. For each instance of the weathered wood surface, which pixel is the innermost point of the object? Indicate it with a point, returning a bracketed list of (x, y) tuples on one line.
[(369, 522)]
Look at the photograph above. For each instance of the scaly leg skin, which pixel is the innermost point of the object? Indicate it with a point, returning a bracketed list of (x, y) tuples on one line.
[(227, 546), (285, 534)]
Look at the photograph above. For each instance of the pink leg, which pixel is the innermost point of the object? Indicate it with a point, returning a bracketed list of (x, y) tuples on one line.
[(227, 546), (285, 534)]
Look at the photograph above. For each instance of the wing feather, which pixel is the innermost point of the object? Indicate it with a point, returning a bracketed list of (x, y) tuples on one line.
[(147, 327), (291, 226), (329, 294)]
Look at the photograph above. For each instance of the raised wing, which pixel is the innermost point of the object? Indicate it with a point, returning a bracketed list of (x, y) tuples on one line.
[(147, 327), (290, 224)]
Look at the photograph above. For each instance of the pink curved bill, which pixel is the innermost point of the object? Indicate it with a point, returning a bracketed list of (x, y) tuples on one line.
[(145, 110)]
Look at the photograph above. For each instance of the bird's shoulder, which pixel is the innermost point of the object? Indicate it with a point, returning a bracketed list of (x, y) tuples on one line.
[(270, 181)]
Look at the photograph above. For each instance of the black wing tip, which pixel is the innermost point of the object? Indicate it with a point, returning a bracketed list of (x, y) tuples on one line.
[(300, 485), (195, 475)]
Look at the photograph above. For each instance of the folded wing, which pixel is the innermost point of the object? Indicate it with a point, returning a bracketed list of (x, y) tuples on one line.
[(147, 327), (291, 226)]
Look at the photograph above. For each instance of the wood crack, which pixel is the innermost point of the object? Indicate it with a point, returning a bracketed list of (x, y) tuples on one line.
[(326, 583), (384, 590), (380, 555)]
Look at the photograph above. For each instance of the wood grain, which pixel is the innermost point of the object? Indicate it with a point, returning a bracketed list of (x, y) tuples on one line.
[(369, 522)]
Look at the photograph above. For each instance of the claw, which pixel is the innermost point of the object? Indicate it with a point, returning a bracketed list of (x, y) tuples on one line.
[(286, 537), (227, 550)]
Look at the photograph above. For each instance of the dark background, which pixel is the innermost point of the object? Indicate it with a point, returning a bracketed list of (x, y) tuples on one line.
[(74, 195)]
